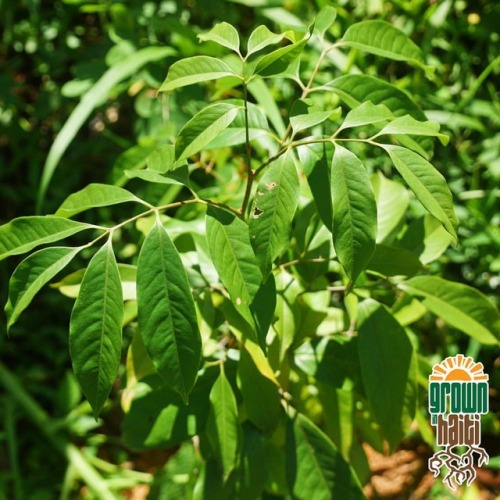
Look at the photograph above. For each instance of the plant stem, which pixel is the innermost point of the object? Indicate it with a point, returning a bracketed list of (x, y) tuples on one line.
[(250, 172), (40, 418)]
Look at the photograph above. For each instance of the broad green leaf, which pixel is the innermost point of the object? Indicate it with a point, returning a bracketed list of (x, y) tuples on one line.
[(31, 275), (354, 213), (260, 394), (388, 369), (461, 306), (324, 20), (194, 70), (408, 125), (25, 233), (314, 467), (162, 159), (203, 128), (277, 61), (392, 202), (394, 261), (224, 432), (309, 120), (264, 97), (167, 316), (96, 96), (95, 333), (260, 38), (94, 195), (273, 209), (262, 309), (366, 113), (382, 39), (223, 34), (229, 245), (427, 183), (178, 176)]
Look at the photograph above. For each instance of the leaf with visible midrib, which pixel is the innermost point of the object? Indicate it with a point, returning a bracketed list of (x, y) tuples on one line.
[(354, 212), (274, 206), (31, 275), (25, 233), (223, 34), (95, 334), (460, 305), (167, 315)]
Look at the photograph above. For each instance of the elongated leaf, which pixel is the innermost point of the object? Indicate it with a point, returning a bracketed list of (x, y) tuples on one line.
[(229, 245), (382, 39), (324, 20), (365, 114), (427, 183), (203, 128), (461, 306), (178, 176), (167, 316), (25, 233), (314, 466), (408, 125), (254, 463), (95, 333), (273, 209), (194, 70), (122, 69), (223, 34), (388, 369), (309, 120), (354, 213), (394, 261), (260, 38), (224, 428), (263, 96), (31, 275), (162, 159), (94, 195)]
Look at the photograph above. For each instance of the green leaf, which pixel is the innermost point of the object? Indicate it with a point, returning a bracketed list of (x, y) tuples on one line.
[(194, 70), (167, 316), (260, 38), (31, 275), (394, 261), (179, 176), (313, 118), (273, 209), (366, 113), (382, 39), (94, 195), (461, 306), (427, 183), (388, 369), (25, 233), (224, 429), (95, 333), (354, 213), (408, 125), (260, 394), (203, 128), (229, 245), (162, 159), (277, 61), (96, 96), (314, 466), (324, 20), (392, 202), (223, 34), (264, 97)]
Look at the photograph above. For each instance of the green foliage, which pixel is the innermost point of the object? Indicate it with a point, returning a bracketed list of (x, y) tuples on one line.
[(276, 291)]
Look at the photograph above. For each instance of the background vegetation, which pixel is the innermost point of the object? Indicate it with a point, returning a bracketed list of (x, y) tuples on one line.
[(54, 53)]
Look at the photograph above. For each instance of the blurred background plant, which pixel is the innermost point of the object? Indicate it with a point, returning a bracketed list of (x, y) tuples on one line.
[(55, 54)]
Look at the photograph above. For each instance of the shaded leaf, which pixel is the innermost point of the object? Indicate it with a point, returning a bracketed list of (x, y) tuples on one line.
[(167, 316), (95, 333), (461, 306), (394, 261), (25, 233), (162, 159), (354, 213), (31, 275)]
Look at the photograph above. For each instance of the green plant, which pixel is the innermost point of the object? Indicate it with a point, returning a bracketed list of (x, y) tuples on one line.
[(268, 309)]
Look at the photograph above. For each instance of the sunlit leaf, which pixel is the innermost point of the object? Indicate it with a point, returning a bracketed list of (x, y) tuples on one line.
[(366, 113), (408, 125), (324, 20), (461, 306), (223, 34), (162, 159), (261, 37), (96, 328), (167, 315)]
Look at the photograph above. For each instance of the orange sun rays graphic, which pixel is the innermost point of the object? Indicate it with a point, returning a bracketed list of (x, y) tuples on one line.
[(458, 368)]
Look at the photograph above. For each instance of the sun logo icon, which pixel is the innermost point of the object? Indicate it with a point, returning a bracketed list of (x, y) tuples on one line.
[(459, 368), (458, 396)]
